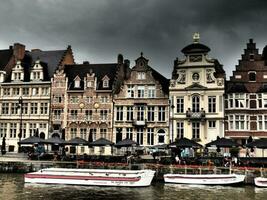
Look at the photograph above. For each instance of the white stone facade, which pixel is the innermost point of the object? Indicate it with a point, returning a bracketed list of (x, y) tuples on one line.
[(196, 95)]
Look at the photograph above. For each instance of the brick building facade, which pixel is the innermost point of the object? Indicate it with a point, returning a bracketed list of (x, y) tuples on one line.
[(246, 96)]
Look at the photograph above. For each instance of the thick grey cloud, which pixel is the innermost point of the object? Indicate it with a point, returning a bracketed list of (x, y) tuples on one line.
[(100, 29)]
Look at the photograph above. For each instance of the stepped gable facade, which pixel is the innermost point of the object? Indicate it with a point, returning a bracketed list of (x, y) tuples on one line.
[(196, 94), (246, 96)]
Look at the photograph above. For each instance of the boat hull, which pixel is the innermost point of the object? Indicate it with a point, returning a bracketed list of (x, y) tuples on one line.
[(204, 179), (260, 181), (123, 178)]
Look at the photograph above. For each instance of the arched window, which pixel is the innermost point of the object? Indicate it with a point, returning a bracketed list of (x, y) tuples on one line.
[(161, 136), (42, 135), (252, 76), (195, 104)]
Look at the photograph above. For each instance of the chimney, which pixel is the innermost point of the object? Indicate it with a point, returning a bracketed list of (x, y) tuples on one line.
[(19, 51), (120, 59), (86, 62)]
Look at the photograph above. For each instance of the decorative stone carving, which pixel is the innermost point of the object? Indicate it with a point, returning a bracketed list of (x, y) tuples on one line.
[(210, 76), (220, 82), (181, 76), (172, 83)]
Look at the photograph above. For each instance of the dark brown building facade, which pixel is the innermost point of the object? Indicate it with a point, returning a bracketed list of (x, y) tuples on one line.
[(246, 96)]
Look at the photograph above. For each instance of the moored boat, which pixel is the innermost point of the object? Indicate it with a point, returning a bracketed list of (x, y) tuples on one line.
[(260, 181), (204, 179), (91, 177)]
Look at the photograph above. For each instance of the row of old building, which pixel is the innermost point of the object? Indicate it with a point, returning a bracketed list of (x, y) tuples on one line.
[(48, 93)]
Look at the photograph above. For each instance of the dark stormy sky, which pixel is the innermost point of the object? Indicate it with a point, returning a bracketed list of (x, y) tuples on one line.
[(98, 30)]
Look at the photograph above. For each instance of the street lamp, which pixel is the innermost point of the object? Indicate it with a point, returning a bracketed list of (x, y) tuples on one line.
[(20, 126)]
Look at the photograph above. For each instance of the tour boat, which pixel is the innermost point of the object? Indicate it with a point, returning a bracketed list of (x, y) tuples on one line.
[(93, 177), (204, 179), (260, 181)]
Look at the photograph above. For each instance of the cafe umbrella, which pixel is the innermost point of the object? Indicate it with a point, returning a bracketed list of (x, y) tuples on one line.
[(185, 143), (77, 141), (101, 142), (259, 143), (32, 140), (222, 142), (128, 143)]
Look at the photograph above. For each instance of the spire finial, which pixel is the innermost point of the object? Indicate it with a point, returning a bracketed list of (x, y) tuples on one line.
[(141, 54), (196, 37)]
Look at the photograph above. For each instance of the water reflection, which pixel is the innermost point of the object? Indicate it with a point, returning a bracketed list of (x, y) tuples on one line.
[(12, 187)]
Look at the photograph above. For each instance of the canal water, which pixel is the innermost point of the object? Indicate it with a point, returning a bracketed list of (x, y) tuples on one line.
[(13, 187)]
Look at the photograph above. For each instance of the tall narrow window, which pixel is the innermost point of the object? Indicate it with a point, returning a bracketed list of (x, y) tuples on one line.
[(212, 104), (119, 114), (259, 120), (140, 136), (129, 113), (140, 113), (141, 91), (196, 130), (129, 133), (150, 136), (180, 104), (195, 104), (92, 135), (150, 113), (180, 129), (161, 113)]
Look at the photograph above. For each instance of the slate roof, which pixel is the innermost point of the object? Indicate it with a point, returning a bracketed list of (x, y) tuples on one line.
[(195, 48), (100, 71), (5, 56), (237, 87), (51, 58), (162, 80)]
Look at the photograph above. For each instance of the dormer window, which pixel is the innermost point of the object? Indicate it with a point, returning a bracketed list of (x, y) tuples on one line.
[(17, 72), (77, 82), (252, 76), (105, 82), (141, 75), (37, 71)]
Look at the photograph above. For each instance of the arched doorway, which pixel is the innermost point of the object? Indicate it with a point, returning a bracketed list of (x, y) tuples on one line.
[(42, 135)]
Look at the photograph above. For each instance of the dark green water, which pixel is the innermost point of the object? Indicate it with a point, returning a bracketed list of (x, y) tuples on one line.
[(13, 187)]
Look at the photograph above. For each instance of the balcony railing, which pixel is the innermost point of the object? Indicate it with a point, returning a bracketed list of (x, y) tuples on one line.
[(201, 115)]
